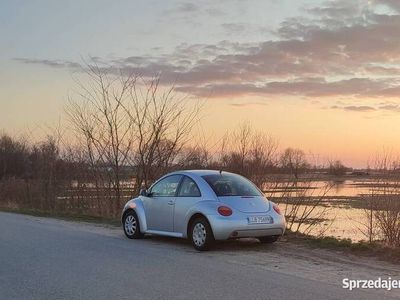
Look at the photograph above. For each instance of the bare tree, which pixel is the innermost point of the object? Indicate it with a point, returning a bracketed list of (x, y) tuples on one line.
[(294, 161), (304, 208), (13, 157), (125, 122), (194, 157), (249, 152), (382, 203), (262, 157), (162, 124), (99, 117), (337, 168)]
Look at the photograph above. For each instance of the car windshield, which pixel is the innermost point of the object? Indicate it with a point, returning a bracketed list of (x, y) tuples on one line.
[(231, 185)]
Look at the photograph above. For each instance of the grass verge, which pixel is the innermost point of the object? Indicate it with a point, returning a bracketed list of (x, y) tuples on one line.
[(375, 249), (63, 216)]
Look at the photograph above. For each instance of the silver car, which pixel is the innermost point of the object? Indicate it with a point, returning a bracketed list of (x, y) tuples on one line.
[(204, 206)]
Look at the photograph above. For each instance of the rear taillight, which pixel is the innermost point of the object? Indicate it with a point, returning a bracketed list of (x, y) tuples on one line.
[(277, 209), (224, 211)]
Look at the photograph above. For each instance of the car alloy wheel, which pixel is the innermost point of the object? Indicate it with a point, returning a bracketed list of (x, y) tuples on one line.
[(199, 235), (130, 225)]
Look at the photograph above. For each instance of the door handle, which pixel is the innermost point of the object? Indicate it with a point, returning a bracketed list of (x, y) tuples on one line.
[(171, 202)]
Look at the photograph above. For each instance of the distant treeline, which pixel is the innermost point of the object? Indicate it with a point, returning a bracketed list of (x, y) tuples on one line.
[(52, 175)]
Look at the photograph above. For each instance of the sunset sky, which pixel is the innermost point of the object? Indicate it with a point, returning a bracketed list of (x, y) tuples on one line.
[(317, 75)]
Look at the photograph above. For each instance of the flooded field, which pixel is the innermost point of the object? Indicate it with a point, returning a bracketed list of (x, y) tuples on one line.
[(341, 204), (337, 189)]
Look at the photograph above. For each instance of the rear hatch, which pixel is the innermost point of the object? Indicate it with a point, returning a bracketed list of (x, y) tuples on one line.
[(246, 204)]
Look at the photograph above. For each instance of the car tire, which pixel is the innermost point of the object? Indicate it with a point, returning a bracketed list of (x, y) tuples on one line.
[(268, 239), (201, 234), (131, 225)]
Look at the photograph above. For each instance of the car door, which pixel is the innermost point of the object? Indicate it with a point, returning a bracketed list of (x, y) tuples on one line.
[(188, 195), (159, 205)]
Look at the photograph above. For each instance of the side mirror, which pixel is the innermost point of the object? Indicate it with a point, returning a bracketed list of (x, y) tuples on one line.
[(143, 192)]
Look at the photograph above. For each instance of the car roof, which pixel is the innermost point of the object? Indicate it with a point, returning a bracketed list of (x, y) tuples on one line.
[(200, 172)]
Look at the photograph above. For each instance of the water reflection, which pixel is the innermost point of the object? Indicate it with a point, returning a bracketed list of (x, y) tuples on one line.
[(337, 188)]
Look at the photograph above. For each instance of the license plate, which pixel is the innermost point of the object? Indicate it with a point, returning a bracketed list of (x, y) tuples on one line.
[(260, 220)]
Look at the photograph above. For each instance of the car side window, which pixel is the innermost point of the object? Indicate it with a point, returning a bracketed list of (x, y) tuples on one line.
[(166, 187), (189, 188)]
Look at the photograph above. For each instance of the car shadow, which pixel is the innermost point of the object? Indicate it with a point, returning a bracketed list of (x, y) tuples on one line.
[(244, 244)]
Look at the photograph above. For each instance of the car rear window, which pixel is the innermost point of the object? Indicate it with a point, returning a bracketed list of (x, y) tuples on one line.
[(231, 185)]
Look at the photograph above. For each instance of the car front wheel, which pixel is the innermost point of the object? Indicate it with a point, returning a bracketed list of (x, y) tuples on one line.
[(132, 226), (201, 234)]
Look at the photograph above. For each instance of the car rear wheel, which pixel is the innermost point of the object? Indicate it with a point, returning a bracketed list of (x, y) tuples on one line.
[(268, 239), (201, 234), (132, 226)]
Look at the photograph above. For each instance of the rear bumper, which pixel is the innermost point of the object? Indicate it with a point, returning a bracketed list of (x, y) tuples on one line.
[(236, 226)]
